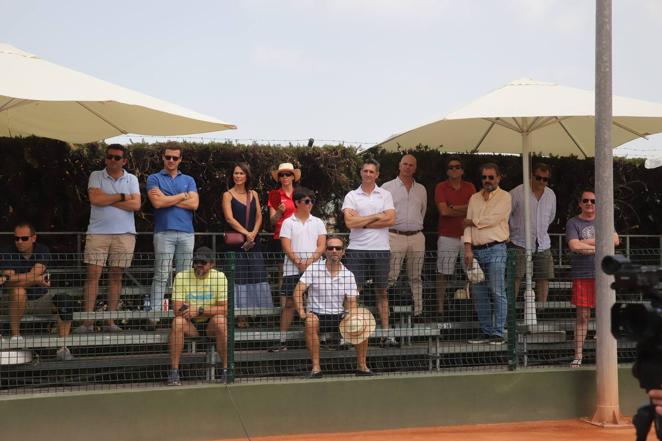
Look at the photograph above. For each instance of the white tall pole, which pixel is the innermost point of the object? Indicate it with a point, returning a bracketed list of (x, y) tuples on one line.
[(607, 407), (529, 296)]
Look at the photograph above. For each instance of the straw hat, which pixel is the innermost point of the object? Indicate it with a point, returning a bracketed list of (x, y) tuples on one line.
[(475, 274), (356, 328), (286, 166)]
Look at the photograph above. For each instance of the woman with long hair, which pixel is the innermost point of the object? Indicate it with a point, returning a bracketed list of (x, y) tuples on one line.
[(242, 211)]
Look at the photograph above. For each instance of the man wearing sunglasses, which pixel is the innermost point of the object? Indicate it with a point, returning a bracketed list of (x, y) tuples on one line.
[(23, 266), (452, 198), (174, 197), (303, 237), (199, 297), (485, 235), (111, 234), (406, 238), (369, 213), (543, 212), (580, 234)]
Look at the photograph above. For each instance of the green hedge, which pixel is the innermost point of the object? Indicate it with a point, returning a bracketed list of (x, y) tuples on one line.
[(45, 181)]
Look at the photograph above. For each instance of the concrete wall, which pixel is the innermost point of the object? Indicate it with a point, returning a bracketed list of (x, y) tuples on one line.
[(210, 412)]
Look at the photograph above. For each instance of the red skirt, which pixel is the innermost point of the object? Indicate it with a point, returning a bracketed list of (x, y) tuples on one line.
[(583, 292)]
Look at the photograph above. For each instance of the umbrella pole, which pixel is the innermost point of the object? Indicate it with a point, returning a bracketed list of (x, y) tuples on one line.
[(607, 407), (530, 318)]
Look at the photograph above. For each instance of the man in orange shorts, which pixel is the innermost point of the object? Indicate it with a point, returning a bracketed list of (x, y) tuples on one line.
[(580, 233)]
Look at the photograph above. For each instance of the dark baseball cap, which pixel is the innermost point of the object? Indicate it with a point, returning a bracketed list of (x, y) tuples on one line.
[(204, 253)]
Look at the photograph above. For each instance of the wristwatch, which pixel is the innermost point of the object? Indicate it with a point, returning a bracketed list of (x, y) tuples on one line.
[(122, 197), (186, 195), (450, 206), (201, 310)]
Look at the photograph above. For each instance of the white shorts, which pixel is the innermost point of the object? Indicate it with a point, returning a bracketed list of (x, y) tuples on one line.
[(448, 249)]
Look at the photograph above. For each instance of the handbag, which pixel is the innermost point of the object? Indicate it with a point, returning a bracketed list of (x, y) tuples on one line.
[(235, 238)]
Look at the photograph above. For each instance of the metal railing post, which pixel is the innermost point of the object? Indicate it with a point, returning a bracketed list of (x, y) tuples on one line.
[(230, 275), (511, 295)]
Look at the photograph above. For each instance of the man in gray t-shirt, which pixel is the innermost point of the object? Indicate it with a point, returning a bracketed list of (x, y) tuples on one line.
[(580, 233)]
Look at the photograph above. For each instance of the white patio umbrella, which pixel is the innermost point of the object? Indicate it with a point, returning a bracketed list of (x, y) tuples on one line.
[(43, 99), (530, 116)]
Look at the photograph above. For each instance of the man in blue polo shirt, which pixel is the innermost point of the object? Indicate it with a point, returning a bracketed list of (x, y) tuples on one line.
[(174, 197), (111, 235)]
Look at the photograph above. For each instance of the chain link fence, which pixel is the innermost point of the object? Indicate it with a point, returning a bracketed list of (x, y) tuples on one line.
[(246, 325)]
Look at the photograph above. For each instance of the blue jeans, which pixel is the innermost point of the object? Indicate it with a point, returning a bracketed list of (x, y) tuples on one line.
[(490, 295), (169, 245)]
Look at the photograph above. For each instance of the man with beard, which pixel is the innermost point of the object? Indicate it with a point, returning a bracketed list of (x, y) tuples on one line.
[(485, 235)]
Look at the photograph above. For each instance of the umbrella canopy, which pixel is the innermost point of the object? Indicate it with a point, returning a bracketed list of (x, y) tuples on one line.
[(559, 119), (43, 99)]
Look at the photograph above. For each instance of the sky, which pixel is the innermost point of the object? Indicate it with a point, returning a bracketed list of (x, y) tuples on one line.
[(352, 71)]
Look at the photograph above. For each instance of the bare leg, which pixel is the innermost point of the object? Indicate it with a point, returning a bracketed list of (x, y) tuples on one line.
[(382, 307), (313, 341), (114, 289), (91, 289), (218, 328), (180, 328), (542, 289), (361, 355), (286, 313), (581, 329), (442, 282), (63, 328), (18, 298)]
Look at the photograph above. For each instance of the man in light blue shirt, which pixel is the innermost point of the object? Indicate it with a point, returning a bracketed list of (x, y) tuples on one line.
[(174, 197), (111, 235)]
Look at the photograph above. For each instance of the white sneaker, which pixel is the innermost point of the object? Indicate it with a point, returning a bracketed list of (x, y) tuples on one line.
[(63, 354), (17, 340), (84, 329)]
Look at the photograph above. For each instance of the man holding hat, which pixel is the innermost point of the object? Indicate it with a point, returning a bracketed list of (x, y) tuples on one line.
[(199, 296), (332, 290)]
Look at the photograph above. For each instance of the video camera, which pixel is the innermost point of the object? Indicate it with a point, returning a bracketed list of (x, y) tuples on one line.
[(642, 323)]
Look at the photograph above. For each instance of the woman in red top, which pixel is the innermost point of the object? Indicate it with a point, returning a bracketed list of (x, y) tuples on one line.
[(281, 205)]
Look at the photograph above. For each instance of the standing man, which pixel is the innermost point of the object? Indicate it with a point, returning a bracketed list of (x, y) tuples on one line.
[(303, 237), (543, 212), (406, 238), (452, 198), (111, 235), (485, 238), (368, 213), (580, 233), (174, 197), (199, 297), (23, 267), (332, 291)]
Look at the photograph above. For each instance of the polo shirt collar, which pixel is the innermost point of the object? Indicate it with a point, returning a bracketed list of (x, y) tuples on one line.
[(377, 189), (106, 175), (163, 172)]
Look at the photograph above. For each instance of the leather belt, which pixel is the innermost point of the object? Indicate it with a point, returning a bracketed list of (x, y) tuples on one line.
[(486, 245), (404, 233)]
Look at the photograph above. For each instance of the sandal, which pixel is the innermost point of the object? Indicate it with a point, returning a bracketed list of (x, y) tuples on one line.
[(577, 362)]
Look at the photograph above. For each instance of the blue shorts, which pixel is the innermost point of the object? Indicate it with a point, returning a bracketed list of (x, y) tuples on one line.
[(289, 283), (367, 264)]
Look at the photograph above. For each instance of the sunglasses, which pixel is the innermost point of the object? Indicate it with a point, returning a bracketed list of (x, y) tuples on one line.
[(454, 167), (114, 157), (306, 201), (200, 262), (586, 201), (285, 175), (21, 238), (171, 158), (488, 177), (334, 248), (541, 178)]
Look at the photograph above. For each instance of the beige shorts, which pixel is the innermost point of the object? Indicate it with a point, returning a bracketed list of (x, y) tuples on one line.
[(41, 306), (543, 264), (117, 249), (448, 249)]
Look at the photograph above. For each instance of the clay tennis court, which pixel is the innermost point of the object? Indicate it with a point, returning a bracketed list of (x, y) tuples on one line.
[(570, 430)]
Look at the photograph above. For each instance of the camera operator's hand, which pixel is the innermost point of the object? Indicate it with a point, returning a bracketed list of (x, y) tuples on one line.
[(656, 399)]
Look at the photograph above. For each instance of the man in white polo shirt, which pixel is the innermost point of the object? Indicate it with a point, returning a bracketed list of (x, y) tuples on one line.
[(369, 212), (111, 235), (406, 237), (303, 237)]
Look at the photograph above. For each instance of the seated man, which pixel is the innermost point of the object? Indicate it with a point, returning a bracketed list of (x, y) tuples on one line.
[(26, 287), (329, 285), (199, 298)]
